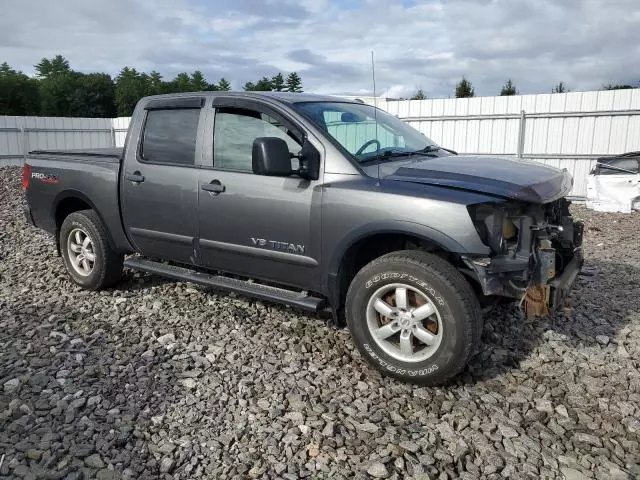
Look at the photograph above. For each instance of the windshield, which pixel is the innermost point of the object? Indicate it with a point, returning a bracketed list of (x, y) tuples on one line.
[(353, 126)]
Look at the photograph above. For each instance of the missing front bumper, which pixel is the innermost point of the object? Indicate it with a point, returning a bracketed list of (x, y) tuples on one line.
[(542, 299), (540, 287)]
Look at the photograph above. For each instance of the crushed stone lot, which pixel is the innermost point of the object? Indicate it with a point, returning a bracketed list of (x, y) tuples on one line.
[(159, 379)]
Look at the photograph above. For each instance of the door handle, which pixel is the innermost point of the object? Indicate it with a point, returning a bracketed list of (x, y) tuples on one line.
[(214, 187), (135, 177)]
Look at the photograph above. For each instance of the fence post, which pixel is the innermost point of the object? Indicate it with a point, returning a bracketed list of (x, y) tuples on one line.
[(521, 133), (25, 148), (113, 134)]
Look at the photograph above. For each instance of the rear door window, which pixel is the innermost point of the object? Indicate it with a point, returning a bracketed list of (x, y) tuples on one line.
[(170, 136)]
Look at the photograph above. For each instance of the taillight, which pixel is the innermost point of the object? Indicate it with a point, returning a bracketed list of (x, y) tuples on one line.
[(26, 176)]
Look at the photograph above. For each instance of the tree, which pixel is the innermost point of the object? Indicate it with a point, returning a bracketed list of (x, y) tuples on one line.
[(616, 86), (419, 95), (294, 83), (94, 96), (57, 91), (263, 85), (277, 82), (131, 86), (47, 67), (249, 87), (508, 89), (182, 83), (19, 94), (223, 85), (198, 83), (560, 88), (464, 89), (57, 85), (156, 84)]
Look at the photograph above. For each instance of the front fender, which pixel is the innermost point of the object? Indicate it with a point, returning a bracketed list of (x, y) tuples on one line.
[(401, 227)]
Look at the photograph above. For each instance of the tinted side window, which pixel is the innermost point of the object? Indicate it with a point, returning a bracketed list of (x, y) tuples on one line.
[(170, 136), (630, 164), (234, 132)]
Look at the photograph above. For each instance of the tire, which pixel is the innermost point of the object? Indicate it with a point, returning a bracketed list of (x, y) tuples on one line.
[(106, 267), (429, 350)]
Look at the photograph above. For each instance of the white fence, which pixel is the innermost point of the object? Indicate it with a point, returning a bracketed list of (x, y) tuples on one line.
[(568, 130), (19, 135)]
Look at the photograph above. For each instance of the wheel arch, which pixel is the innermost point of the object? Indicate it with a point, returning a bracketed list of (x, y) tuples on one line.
[(68, 202), (374, 240)]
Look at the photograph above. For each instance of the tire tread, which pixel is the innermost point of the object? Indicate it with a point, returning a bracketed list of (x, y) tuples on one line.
[(112, 271), (452, 278)]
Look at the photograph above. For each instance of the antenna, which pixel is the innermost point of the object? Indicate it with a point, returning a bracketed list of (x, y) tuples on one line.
[(375, 111)]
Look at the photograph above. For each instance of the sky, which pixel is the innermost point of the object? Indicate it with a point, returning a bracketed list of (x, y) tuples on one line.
[(417, 44)]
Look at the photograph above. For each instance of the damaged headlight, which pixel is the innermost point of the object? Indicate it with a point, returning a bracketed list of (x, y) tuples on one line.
[(497, 224)]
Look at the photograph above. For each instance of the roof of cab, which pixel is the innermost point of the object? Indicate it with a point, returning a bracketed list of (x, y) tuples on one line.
[(283, 97)]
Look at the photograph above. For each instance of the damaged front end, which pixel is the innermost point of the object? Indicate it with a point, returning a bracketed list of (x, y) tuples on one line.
[(536, 252)]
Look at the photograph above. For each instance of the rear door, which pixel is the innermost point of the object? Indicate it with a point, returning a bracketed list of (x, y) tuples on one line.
[(259, 226), (160, 179)]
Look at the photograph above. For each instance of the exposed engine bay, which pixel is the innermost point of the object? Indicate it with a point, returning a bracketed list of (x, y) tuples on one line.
[(536, 252)]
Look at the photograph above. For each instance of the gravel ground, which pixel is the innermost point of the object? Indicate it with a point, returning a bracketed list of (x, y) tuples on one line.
[(158, 379)]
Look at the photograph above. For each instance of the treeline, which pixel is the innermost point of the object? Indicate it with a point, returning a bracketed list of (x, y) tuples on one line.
[(59, 91), (464, 89)]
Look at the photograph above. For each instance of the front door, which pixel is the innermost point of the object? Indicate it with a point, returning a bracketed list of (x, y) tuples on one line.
[(258, 226), (160, 182)]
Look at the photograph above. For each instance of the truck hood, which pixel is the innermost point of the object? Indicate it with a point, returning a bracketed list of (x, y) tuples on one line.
[(504, 177)]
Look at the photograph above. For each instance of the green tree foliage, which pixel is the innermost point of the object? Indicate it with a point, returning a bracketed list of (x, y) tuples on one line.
[(419, 95), (464, 89), (616, 86), (182, 83), (198, 83), (224, 85), (560, 88), (277, 83), (19, 94), (508, 89), (156, 84), (262, 85), (94, 96), (293, 83), (51, 66), (131, 86), (57, 85), (58, 90)]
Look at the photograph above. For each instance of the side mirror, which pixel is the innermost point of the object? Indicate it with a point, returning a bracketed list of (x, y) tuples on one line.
[(309, 161), (270, 156)]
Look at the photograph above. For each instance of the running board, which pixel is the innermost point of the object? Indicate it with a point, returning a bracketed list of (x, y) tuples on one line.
[(251, 289)]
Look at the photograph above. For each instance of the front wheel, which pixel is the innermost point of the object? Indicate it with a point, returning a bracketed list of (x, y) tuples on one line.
[(414, 316), (87, 255)]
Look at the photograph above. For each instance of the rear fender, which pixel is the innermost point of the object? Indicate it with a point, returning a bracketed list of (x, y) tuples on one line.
[(76, 194)]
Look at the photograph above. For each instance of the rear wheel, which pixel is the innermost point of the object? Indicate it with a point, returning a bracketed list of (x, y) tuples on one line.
[(87, 255), (414, 316)]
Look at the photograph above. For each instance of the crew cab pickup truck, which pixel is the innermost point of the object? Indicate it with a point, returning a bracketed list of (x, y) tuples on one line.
[(320, 203)]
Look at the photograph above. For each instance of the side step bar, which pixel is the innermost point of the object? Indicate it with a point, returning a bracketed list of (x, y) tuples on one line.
[(256, 290)]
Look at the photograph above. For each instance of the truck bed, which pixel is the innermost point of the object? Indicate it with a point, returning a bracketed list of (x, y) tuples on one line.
[(60, 179)]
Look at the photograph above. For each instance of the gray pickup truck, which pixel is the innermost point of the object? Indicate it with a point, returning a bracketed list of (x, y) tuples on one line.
[(320, 203)]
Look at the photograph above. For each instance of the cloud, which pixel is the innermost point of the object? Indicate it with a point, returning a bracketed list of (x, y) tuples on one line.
[(418, 44)]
